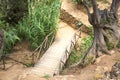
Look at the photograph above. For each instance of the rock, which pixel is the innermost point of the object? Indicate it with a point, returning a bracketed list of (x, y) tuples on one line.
[(114, 73)]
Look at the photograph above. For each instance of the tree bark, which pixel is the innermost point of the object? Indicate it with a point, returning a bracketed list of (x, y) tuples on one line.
[(106, 32)]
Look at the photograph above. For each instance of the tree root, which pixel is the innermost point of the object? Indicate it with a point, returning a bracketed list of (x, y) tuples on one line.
[(97, 48), (106, 32)]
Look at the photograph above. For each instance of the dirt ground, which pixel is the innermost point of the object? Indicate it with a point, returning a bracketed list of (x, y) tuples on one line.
[(95, 71)]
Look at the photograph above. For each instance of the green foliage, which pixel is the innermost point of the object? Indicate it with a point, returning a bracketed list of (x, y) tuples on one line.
[(77, 54), (118, 44), (46, 77), (13, 11), (41, 21), (110, 46), (89, 60), (110, 40), (10, 39), (10, 36), (86, 43), (74, 57), (29, 64)]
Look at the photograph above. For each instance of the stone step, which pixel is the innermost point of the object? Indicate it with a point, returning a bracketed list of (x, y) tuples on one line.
[(73, 21)]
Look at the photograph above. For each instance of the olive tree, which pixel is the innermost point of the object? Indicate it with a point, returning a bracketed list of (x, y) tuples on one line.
[(106, 29)]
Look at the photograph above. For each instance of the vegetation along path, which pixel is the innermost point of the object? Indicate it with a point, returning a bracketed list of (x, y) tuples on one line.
[(94, 71)]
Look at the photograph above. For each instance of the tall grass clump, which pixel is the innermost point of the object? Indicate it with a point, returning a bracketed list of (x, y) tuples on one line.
[(10, 36), (37, 26), (40, 24), (10, 39)]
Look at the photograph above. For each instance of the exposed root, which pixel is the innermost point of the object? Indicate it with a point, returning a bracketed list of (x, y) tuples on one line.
[(98, 47), (106, 33)]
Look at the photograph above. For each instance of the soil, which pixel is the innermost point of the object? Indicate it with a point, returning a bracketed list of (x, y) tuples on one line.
[(95, 71)]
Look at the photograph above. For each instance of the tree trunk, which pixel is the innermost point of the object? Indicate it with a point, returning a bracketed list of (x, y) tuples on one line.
[(106, 31)]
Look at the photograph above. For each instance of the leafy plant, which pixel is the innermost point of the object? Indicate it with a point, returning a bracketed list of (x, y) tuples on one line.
[(77, 54), (10, 39), (46, 77), (41, 21), (10, 36), (13, 11)]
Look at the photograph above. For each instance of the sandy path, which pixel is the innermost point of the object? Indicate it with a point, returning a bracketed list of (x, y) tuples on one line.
[(72, 9)]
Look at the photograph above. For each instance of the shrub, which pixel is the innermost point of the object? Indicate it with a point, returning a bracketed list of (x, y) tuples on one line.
[(40, 21), (10, 36), (76, 55)]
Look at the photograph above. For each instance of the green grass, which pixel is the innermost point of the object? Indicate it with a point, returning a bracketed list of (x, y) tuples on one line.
[(46, 77), (41, 21), (76, 55), (10, 36), (10, 39)]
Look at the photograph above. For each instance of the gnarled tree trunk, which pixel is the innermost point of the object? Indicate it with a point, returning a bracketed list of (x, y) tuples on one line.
[(106, 32)]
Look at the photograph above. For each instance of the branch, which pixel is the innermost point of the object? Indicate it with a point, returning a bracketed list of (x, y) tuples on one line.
[(114, 6), (96, 11), (87, 8)]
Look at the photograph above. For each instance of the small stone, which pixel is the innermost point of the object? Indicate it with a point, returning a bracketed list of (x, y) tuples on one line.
[(106, 69), (112, 51), (99, 59)]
